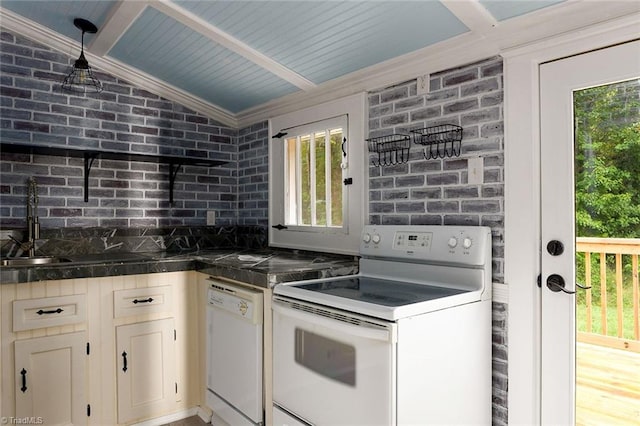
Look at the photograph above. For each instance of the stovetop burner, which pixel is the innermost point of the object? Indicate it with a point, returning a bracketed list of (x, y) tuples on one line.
[(379, 291)]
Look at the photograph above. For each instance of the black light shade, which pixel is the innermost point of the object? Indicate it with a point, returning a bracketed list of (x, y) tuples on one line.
[(81, 78)]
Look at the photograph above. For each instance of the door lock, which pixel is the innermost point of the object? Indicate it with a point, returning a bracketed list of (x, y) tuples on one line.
[(555, 248)]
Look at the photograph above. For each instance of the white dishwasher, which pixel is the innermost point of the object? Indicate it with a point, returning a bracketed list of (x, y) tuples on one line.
[(234, 354)]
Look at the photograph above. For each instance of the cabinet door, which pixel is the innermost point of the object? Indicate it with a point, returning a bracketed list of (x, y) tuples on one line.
[(50, 377), (146, 369)]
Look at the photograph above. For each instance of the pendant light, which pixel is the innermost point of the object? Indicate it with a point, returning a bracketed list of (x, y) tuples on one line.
[(81, 78)]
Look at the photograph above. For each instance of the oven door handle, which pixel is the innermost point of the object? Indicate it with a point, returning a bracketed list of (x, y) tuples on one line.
[(383, 334)]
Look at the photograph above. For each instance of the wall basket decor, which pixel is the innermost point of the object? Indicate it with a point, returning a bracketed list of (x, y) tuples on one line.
[(391, 149), (443, 141)]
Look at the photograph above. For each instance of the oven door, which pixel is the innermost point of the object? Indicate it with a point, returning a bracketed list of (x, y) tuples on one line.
[(331, 367)]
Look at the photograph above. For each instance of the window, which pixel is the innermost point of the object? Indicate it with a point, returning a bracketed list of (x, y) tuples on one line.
[(313, 174), (317, 183)]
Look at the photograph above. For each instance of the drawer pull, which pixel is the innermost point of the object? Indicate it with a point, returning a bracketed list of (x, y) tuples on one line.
[(55, 311), (136, 301), (24, 380), (124, 359)]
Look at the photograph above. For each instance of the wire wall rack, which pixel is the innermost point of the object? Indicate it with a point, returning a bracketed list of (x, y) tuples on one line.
[(443, 141), (391, 149)]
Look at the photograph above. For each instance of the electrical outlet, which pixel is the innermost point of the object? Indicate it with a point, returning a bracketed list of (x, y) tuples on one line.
[(475, 166), (423, 84), (211, 217)]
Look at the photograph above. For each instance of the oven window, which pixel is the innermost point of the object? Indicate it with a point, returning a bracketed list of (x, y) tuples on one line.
[(332, 359)]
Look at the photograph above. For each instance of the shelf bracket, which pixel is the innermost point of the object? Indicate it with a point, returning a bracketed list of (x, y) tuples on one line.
[(173, 172), (88, 163)]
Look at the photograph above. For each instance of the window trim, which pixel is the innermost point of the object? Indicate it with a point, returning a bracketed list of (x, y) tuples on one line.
[(341, 122), (343, 240)]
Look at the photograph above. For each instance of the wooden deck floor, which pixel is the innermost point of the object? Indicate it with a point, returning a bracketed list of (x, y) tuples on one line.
[(607, 386)]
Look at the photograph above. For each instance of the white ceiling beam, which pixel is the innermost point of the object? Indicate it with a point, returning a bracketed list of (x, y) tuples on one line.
[(120, 18), (215, 34), (472, 14)]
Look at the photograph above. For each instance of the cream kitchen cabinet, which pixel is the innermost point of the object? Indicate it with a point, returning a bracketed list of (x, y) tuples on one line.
[(103, 313), (146, 369), (50, 377), (44, 365)]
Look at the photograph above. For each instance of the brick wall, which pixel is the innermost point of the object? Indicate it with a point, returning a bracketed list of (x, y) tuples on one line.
[(436, 191), (253, 175), (121, 118)]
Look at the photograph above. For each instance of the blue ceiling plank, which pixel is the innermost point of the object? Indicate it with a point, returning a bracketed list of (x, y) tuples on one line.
[(502, 10), (323, 40), (58, 15), (159, 45)]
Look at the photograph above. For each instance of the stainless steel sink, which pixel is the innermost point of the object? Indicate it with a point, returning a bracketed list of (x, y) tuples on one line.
[(26, 261)]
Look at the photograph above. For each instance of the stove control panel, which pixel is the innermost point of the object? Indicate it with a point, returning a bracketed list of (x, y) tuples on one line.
[(465, 244), (404, 240)]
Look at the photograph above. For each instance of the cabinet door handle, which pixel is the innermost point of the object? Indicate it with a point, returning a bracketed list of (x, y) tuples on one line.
[(136, 301), (55, 311), (124, 360), (23, 373)]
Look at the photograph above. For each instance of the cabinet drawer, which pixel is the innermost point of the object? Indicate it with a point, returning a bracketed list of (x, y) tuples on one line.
[(139, 301), (29, 314)]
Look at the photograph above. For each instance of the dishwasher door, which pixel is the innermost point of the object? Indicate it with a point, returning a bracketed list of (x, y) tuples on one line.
[(234, 353)]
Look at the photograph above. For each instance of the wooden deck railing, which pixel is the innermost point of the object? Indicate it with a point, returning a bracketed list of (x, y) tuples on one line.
[(625, 251)]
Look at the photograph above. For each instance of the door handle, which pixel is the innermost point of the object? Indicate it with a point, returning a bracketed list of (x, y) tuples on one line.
[(124, 361), (556, 283), (53, 311), (23, 373)]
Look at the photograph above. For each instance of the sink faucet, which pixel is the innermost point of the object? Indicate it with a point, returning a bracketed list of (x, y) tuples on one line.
[(33, 223)]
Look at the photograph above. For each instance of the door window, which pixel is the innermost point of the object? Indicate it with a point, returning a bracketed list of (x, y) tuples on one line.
[(607, 203)]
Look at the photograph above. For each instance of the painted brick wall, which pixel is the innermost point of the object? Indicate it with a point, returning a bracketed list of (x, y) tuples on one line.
[(253, 175), (121, 118), (436, 191)]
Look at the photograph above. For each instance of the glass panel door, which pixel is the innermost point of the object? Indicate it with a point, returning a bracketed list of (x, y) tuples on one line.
[(590, 218)]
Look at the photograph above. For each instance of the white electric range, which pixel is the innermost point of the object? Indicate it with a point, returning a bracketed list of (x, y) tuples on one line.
[(406, 341)]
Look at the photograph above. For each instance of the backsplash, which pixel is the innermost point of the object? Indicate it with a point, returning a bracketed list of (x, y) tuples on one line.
[(83, 241)]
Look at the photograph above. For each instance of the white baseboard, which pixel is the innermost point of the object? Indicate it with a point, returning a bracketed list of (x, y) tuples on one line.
[(204, 414)]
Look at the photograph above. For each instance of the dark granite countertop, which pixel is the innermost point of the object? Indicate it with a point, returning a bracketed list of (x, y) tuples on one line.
[(264, 268)]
